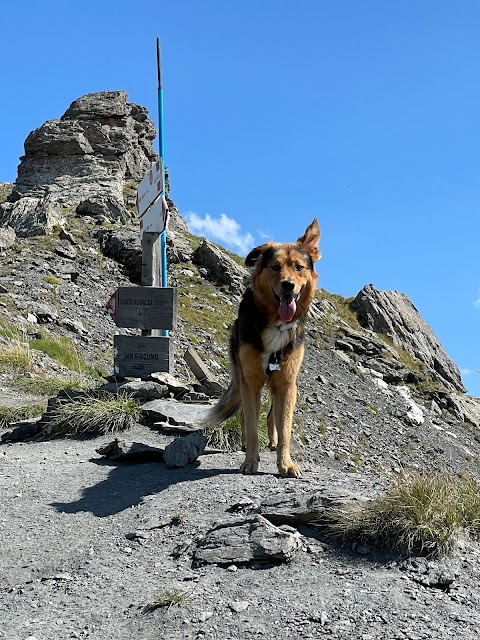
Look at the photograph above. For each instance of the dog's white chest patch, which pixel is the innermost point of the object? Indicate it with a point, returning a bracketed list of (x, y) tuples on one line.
[(275, 338)]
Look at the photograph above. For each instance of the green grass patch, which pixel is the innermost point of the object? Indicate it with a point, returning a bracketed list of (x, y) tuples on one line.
[(11, 331), (9, 415), (48, 385), (93, 414), (59, 348), (421, 515), (200, 306), (53, 280), (342, 307)]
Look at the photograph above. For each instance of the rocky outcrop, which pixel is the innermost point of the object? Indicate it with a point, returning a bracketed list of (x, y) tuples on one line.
[(392, 314), (82, 163), (219, 266)]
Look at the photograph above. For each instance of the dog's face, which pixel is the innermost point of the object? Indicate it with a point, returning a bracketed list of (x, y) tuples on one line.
[(283, 278)]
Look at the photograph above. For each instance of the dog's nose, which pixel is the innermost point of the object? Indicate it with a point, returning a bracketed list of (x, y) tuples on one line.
[(288, 285)]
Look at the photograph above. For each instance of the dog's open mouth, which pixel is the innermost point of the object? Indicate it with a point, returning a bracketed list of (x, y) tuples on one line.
[(287, 306)]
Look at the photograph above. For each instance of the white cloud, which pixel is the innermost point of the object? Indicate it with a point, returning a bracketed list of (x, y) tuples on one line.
[(468, 372), (223, 229)]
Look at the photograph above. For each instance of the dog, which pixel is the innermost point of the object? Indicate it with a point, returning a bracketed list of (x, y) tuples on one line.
[(266, 345)]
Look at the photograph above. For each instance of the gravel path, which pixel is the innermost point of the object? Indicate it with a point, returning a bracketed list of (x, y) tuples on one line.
[(88, 544)]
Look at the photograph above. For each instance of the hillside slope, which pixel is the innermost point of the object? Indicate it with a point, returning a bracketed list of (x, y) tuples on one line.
[(88, 542)]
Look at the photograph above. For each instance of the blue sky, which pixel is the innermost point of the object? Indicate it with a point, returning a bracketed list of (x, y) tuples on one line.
[(362, 113)]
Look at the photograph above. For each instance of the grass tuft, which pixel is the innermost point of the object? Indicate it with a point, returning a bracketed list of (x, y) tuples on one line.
[(421, 515), (9, 415), (167, 600), (93, 415), (15, 357), (228, 436)]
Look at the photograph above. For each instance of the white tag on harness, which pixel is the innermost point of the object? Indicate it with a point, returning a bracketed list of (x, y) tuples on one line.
[(273, 366)]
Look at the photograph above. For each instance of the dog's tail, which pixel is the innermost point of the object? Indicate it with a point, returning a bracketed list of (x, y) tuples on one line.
[(228, 405)]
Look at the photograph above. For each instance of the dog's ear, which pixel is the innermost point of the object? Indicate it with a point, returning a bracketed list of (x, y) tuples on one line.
[(254, 255), (310, 240)]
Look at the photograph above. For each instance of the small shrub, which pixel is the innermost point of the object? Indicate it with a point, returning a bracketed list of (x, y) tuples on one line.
[(177, 519), (93, 415), (167, 600), (420, 515), (51, 279)]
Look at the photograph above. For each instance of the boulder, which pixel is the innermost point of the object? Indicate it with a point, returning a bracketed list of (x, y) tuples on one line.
[(175, 413), (392, 313), (130, 451), (246, 539), (184, 450)]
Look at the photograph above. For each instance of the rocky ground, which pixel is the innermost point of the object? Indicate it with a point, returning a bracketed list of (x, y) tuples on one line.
[(88, 545), (99, 548)]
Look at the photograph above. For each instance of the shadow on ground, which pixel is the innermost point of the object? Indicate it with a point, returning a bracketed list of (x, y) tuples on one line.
[(128, 484)]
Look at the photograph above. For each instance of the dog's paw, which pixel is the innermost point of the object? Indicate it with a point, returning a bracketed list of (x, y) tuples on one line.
[(290, 470), (249, 466), (272, 445)]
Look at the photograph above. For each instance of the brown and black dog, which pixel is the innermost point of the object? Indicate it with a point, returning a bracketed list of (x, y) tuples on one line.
[(266, 345)]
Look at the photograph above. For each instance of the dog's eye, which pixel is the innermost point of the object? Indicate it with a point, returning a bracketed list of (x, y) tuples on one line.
[(299, 267), (275, 267)]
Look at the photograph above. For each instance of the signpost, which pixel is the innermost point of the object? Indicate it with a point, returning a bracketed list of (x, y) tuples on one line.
[(151, 307), (145, 307), (151, 187), (140, 356), (155, 218)]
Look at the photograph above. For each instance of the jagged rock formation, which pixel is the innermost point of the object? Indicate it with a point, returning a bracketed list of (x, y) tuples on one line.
[(81, 163), (392, 313), (219, 266)]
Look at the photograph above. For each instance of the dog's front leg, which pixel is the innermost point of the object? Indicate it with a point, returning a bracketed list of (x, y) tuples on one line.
[(251, 413), (284, 404)]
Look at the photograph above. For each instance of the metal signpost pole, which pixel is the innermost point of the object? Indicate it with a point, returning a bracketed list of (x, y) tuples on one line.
[(163, 237)]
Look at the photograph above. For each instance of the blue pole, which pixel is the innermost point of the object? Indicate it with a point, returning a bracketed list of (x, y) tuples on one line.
[(163, 236)]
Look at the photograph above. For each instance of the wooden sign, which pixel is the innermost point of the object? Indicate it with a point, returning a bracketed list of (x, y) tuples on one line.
[(140, 356), (150, 187), (145, 307)]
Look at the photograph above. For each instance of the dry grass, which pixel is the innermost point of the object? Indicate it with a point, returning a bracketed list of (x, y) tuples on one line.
[(167, 600), (421, 515), (15, 356)]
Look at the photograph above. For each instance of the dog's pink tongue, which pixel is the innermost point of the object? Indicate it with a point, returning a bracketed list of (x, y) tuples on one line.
[(287, 308)]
